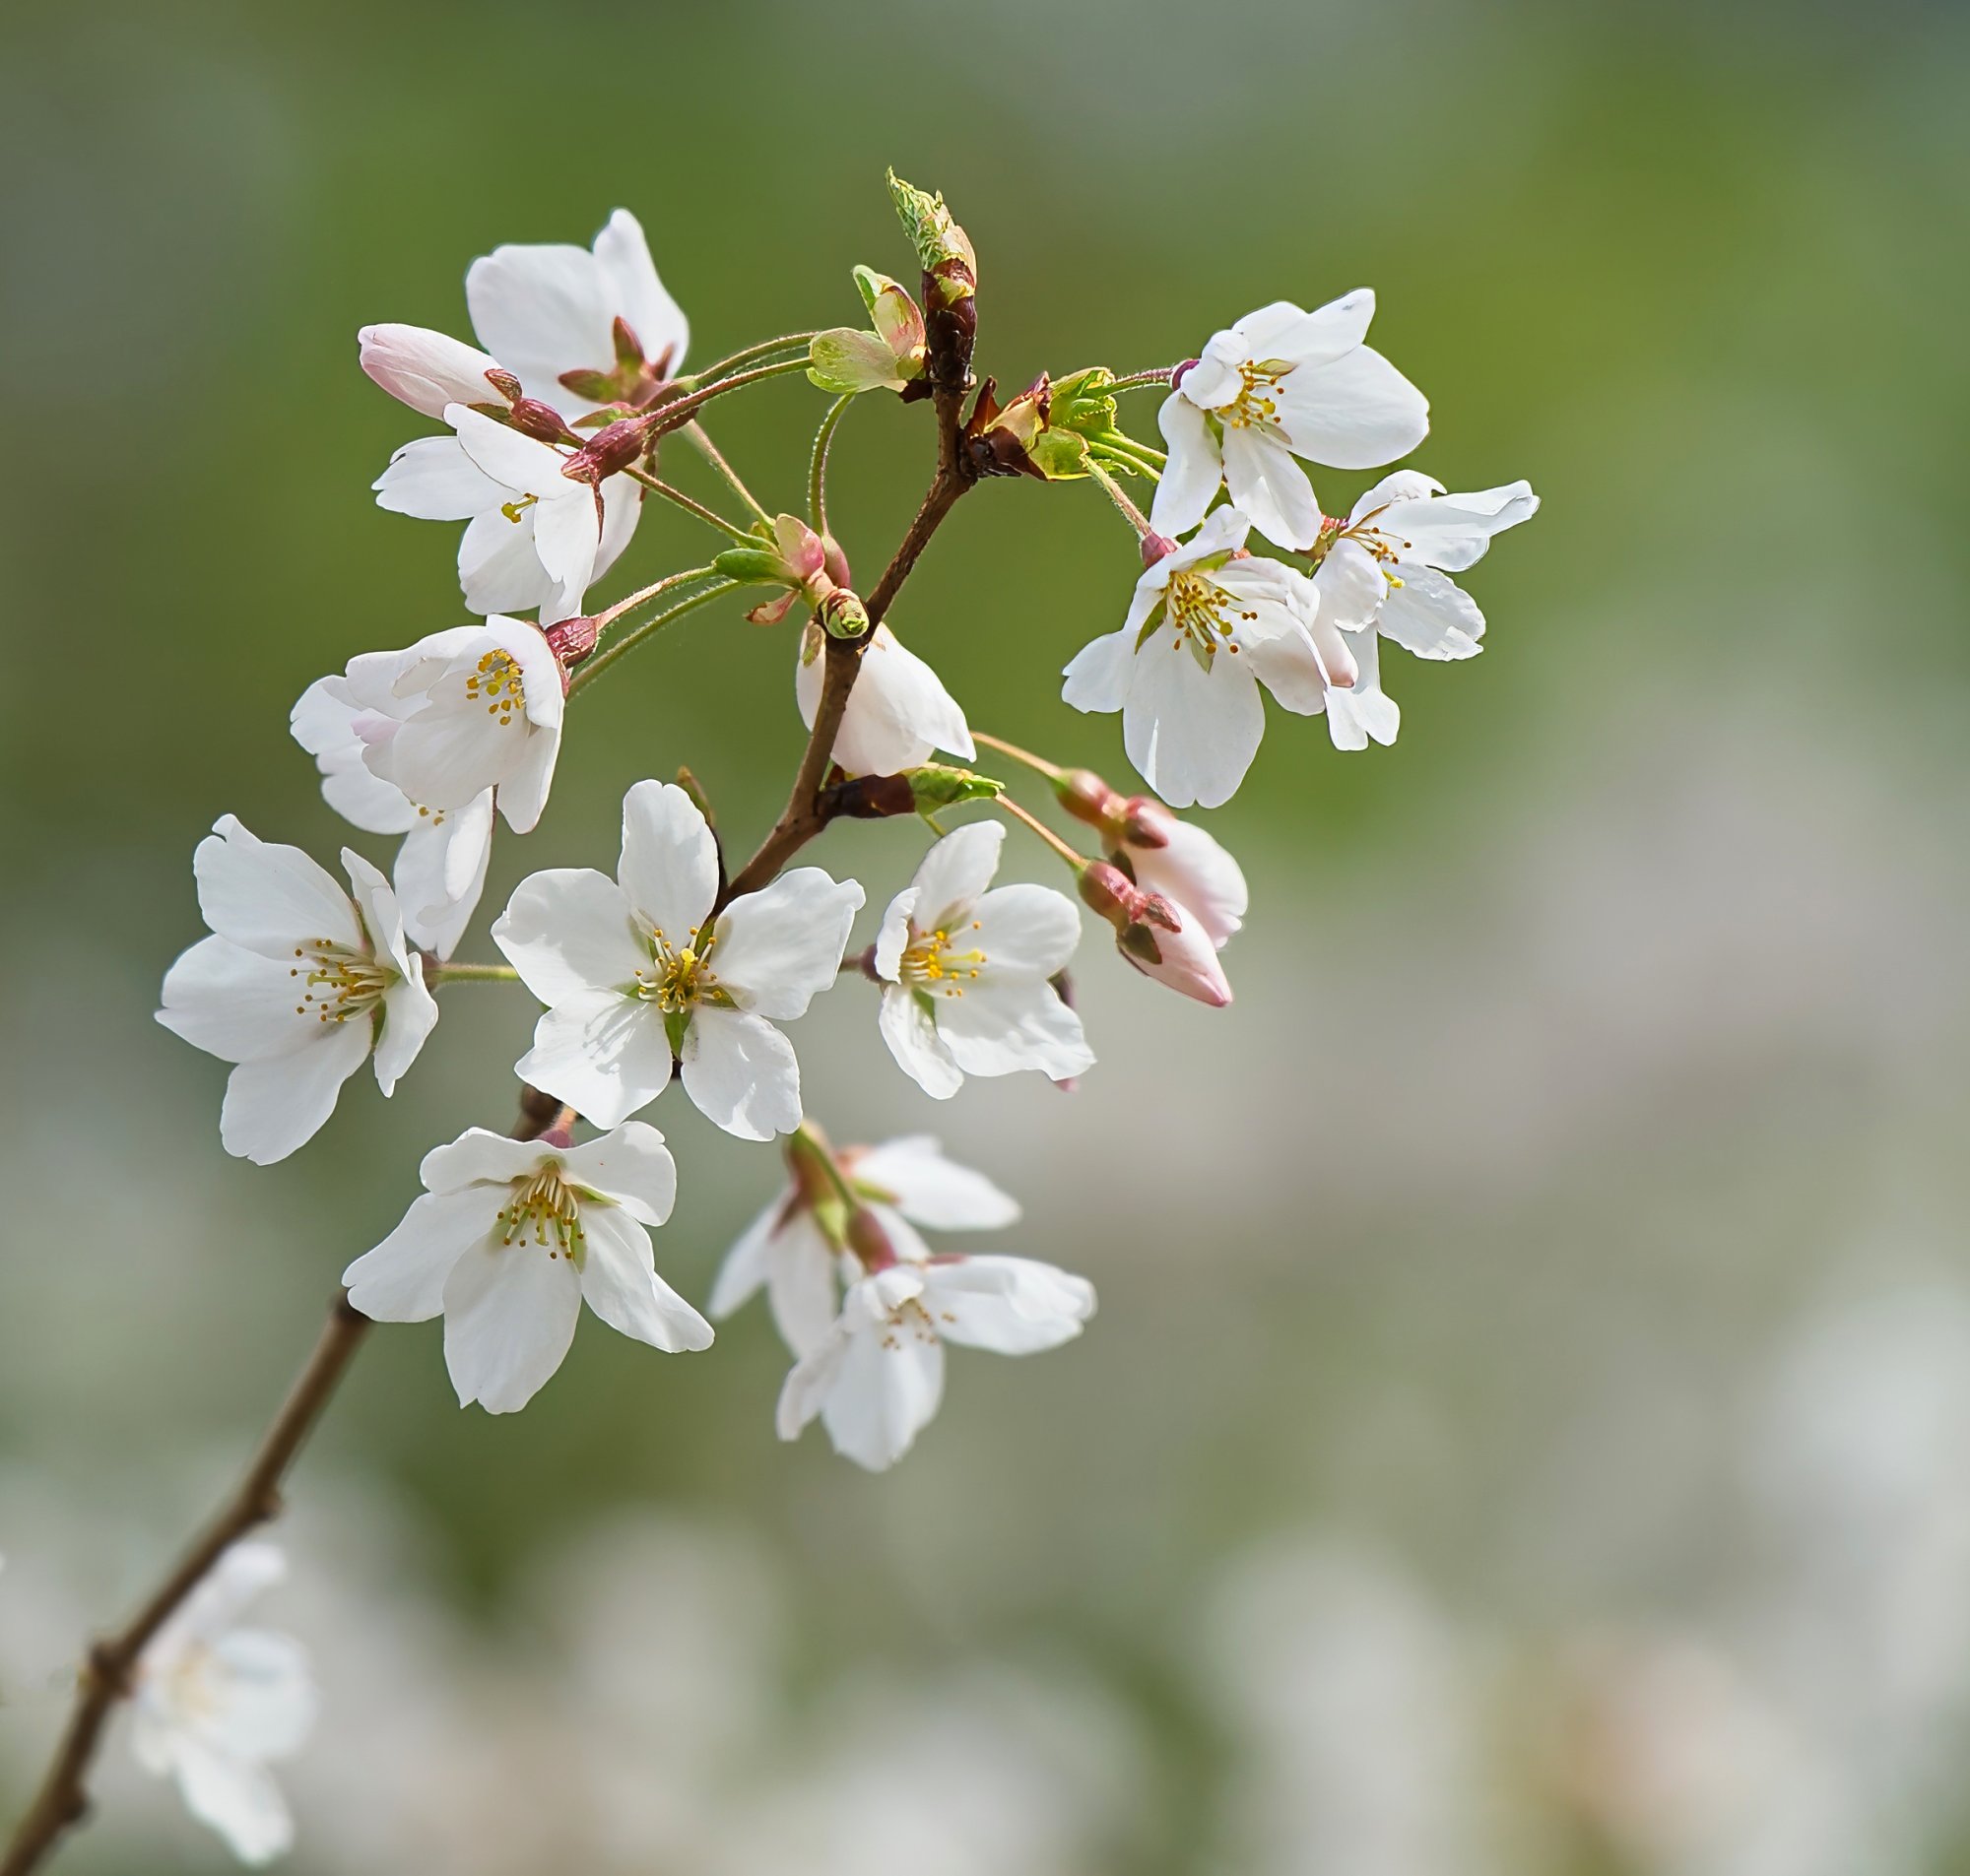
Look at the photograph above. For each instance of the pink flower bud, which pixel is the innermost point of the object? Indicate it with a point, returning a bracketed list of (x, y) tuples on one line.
[(1087, 797), (1172, 946), (424, 369), (1179, 860)]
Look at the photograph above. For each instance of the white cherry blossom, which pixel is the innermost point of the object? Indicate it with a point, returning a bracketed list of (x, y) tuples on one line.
[(548, 312), (1205, 628), (904, 1182), (462, 712), (535, 535), (898, 713), (1388, 564), (635, 970), (296, 985), (876, 1376), (511, 1237), (968, 971), (215, 1706), (1282, 384), (440, 869)]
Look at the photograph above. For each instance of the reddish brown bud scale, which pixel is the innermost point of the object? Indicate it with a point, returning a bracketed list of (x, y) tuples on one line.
[(868, 797), (572, 640), (532, 417), (609, 449)]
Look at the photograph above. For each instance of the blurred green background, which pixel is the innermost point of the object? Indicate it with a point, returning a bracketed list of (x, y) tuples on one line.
[(1526, 1427)]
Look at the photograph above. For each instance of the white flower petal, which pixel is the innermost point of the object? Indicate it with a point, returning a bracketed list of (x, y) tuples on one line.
[(741, 1073), (1012, 1306), (265, 1703), (886, 1391), (519, 464), (410, 1015), (899, 712), (269, 898), (1194, 469), (235, 1005), (238, 1798), (401, 1279), (1098, 675), (954, 874), (1002, 1028), (1024, 931), (931, 1191), (433, 479), (510, 1317), (1452, 532), (1270, 487), (1317, 338), (893, 939), (480, 1157), (323, 722), (1351, 585), (800, 1284), (778, 949), (441, 873), (570, 931), (637, 295), (1358, 411), (1431, 616), (1198, 873), (912, 1037), (748, 1263), (605, 1054), (630, 1165), (670, 860), (1363, 714), (272, 1106), (1191, 734), (620, 1284), (498, 570)]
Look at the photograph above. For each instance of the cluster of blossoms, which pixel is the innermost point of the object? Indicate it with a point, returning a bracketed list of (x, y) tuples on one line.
[(551, 439)]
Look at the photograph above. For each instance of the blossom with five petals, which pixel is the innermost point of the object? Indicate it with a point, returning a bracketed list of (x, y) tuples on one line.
[(465, 711), (899, 712), (511, 1237), (296, 985), (1282, 383), (968, 971), (440, 869), (636, 969), (904, 1182), (876, 1376), (1207, 626), (216, 1704)]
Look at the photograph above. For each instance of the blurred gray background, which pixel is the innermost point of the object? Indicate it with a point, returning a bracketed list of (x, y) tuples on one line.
[(1525, 1430)]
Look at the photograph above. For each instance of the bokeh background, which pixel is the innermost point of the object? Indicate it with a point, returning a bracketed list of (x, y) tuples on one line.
[(1527, 1431)]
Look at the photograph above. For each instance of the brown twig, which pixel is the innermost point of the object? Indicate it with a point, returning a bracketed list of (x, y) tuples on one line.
[(805, 816), (107, 1674)]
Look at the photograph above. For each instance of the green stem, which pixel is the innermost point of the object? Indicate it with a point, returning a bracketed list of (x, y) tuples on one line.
[(715, 456), (673, 415), (587, 674), (746, 354), (817, 471), (437, 976), (603, 620), (1141, 380), (1078, 861), (710, 516), (1050, 770), (1130, 512)]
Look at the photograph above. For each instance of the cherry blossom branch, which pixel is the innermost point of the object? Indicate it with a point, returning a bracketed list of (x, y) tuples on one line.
[(586, 674), (109, 1672), (803, 816)]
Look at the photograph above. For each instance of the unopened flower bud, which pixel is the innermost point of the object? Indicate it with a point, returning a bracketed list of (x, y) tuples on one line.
[(570, 640), (427, 369), (949, 284), (1087, 797), (613, 447), (1161, 937), (532, 417), (843, 615)]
